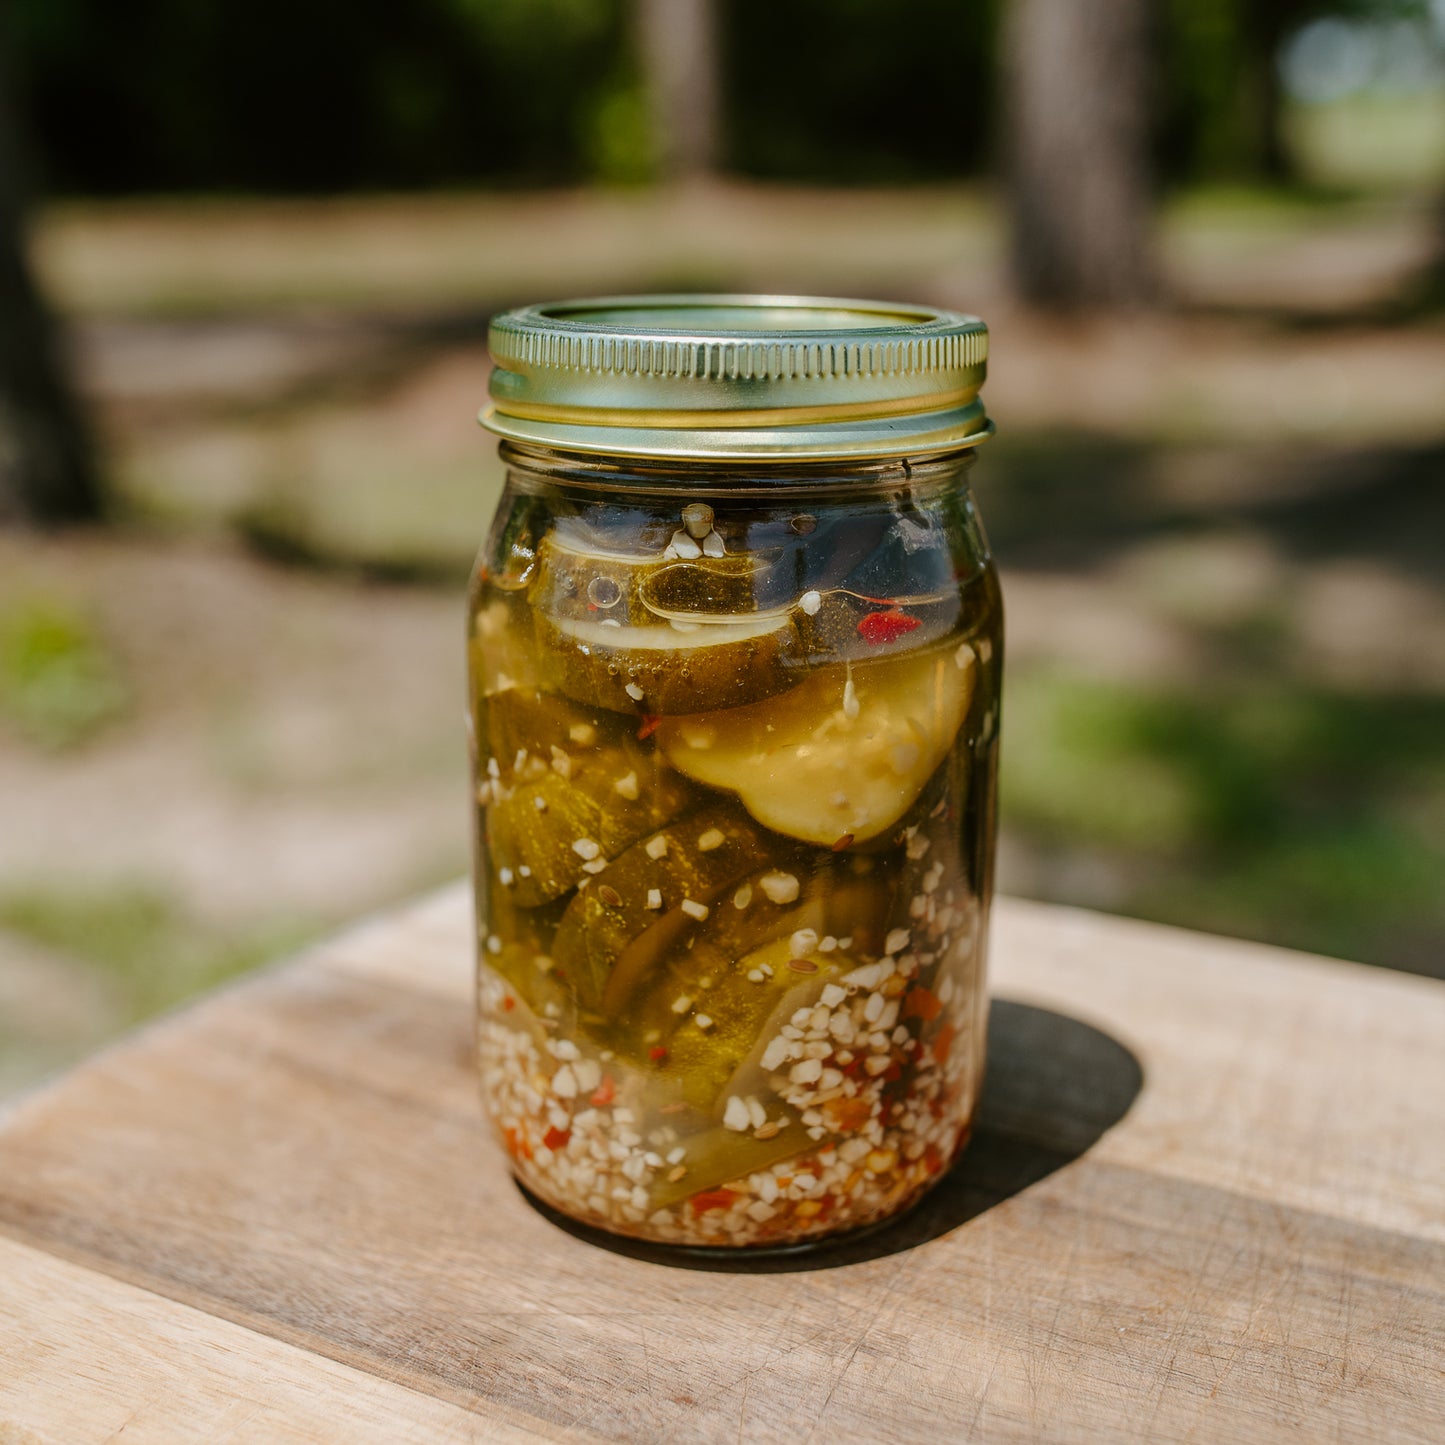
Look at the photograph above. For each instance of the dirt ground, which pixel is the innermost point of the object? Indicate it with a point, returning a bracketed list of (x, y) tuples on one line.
[(259, 733)]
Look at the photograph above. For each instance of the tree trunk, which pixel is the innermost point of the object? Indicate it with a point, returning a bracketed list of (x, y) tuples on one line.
[(1077, 92), (47, 468), (1266, 27), (679, 44)]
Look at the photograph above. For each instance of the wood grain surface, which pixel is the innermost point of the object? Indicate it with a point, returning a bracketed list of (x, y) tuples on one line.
[(1206, 1202)]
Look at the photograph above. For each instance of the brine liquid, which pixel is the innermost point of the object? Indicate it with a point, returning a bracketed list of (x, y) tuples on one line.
[(735, 783)]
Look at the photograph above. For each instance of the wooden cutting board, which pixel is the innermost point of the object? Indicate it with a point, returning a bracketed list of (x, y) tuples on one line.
[(1206, 1202)]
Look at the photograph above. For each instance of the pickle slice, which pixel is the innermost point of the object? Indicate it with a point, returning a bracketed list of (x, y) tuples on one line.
[(522, 720), (671, 667), (710, 997), (500, 648), (799, 991), (717, 589), (517, 946), (840, 758), (650, 795), (578, 580), (571, 785), (534, 846), (610, 939), (740, 1008)]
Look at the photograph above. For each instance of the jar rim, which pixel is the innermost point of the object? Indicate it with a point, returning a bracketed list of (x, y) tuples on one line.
[(738, 377)]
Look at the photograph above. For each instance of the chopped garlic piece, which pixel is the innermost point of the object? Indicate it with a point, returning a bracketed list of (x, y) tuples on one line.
[(779, 887)]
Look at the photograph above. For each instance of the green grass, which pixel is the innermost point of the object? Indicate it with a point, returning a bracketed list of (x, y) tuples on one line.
[(59, 682), (1380, 142), (151, 952), (1295, 815)]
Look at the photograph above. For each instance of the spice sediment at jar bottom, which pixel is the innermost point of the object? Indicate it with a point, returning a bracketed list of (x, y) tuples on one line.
[(734, 733)]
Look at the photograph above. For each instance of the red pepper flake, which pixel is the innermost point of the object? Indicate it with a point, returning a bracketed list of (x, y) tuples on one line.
[(892, 1073), (657, 1053), (932, 1159), (555, 1138), (879, 627), (712, 1199), (943, 1042), (922, 1003), (508, 1004), (592, 607), (517, 1145), (850, 1115), (604, 1093), (846, 841), (651, 721)]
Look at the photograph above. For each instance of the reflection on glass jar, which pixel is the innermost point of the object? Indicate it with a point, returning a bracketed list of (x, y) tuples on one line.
[(735, 728)]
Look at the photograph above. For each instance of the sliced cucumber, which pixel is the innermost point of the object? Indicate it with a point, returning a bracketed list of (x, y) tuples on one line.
[(673, 667), (840, 758), (610, 939), (535, 847)]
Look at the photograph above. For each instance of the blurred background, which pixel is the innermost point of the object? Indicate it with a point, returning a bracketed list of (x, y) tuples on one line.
[(247, 257)]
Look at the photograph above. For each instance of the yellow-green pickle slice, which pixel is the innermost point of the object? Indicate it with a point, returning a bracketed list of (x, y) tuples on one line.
[(840, 758)]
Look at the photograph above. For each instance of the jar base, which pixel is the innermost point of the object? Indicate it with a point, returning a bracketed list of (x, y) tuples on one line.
[(880, 1237)]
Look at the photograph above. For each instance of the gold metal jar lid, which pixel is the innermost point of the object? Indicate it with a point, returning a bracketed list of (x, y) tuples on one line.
[(738, 378)]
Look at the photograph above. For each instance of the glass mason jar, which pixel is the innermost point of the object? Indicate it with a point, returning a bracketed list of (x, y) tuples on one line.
[(735, 649)]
